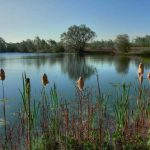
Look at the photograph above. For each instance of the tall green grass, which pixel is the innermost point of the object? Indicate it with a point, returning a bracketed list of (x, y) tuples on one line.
[(82, 123)]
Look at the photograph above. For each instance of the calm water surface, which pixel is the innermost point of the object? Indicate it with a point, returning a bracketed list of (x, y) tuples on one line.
[(64, 70)]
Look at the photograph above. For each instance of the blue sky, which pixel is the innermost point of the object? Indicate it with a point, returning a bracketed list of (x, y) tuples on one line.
[(22, 19)]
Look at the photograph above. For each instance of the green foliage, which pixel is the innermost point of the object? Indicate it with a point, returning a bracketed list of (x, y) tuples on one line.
[(69, 143), (142, 41), (122, 43), (144, 52), (139, 144), (61, 127), (76, 37), (54, 97), (96, 45), (89, 146), (121, 108), (45, 142), (36, 45), (2, 44)]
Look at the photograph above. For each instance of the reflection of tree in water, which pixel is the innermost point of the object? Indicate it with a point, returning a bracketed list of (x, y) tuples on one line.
[(2, 62), (102, 59), (75, 66), (122, 64), (144, 60), (72, 64), (41, 60)]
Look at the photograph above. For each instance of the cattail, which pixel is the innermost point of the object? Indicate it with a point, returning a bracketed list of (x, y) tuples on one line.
[(80, 83), (141, 69), (27, 86), (45, 80), (140, 76), (2, 74), (148, 76)]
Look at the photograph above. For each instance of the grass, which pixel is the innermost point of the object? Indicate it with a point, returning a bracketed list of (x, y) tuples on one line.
[(80, 124)]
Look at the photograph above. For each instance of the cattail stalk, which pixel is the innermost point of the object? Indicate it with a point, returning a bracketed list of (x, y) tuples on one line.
[(28, 99), (148, 76), (4, 113), (44, 102), (99, 90), (2, 78)]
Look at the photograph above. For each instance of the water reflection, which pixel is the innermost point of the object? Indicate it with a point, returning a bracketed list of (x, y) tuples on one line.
[(63, 68), (2, 62), (140, 77), (122, 64), (144, 60), (72, 64), (76, 66), (40, 60)]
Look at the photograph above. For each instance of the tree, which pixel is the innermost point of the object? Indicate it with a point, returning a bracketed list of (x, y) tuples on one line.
[(101, 44), (142, 41), (76, 37), (2, 44), (122, 43)]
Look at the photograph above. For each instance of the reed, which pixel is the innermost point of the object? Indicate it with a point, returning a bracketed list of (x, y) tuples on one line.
[(29, 112), (2, 78), (83, 123)]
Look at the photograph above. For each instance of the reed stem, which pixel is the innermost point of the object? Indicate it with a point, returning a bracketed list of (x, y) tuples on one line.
[(4, 113)]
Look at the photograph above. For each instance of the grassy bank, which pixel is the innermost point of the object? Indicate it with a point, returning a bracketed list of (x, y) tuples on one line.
[(138, 51)]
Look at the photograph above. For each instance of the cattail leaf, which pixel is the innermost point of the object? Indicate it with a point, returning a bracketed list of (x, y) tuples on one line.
[(3, 100), (2, 122)]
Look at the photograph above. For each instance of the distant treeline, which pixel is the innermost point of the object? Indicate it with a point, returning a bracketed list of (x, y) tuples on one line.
[(41, 45), (77, 38), (137, 42), (36, 45)]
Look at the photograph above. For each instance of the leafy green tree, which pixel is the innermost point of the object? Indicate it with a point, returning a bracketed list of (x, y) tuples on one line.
[(77, 37), (142, 41), (40, 44), (101, 44), (52, 44), (122, 43), (55, 46), (12, 47), (2, 44), (26, 46)]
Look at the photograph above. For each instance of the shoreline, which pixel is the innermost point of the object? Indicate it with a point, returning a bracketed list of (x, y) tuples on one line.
[(145, 53)]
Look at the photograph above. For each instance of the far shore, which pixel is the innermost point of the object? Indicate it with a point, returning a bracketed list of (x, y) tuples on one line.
[(139, 51)]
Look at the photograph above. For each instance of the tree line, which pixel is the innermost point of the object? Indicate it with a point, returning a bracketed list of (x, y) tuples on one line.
[(35, 45), (76, 38)]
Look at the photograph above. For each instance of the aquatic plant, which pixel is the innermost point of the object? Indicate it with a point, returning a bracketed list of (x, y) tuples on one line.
[(87, 122), (2, 78), (141, 69), (148, 76), (80, 83), (44, 80)]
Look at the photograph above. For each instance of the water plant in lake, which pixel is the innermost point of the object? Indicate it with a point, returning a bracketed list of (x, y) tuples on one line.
[(148, 76), (2, 78), (83, 123)]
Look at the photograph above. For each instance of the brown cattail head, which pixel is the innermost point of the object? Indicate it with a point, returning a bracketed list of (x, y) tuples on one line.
[(140, 76), (80, 83), (141, 69), (27, 86), (148, 76), (2, 74), (45, 80)]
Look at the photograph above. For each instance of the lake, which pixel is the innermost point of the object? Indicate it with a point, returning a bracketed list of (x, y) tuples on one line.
[(64, 70)]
